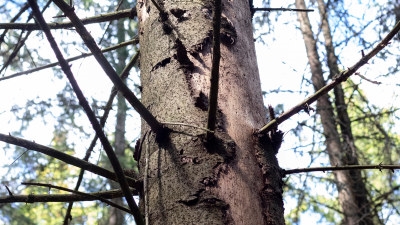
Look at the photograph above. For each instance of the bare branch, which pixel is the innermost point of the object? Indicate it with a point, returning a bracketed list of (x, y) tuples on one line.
[(83, 102), (103, 119), (83, 55), (63, 157), (20, 43), (337, 79), (109, 70), (93, 197), (348, 167), (61, 197), (283, 9), (23, 9), (212, 108), (127, 13)]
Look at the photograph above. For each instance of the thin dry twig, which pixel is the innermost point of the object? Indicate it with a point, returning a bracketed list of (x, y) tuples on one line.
[(83, 55), (337, 79), (85, 105), (347, 167), (283, 9), (103, 119), (31, 145), (127, 13), (31, 198), (20, 42), (109, 70), (87, 195)]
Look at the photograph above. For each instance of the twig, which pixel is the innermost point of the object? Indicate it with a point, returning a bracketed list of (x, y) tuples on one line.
[(283, 9), (103, 119), (109, 70), (85, 105), (62, 157), (338, 78), (120, 45), (160, 9), (212, 108), (348, 167), (369, 80), (117, 193), (187, 125), (9, 191), (20, 43), (23, 9), (95, 19), (93, 197)]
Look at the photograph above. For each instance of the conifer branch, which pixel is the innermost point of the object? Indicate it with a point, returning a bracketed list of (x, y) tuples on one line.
[(379, 167), (85, 105), (83, 55), (282, 9), (71, 160), (109, 70), (103, 119), (87, 195), (127, 13), (337, 79), (32, 198)]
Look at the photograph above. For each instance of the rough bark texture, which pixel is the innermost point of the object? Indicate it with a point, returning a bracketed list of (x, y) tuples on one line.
[(340, 145), (187, 180)]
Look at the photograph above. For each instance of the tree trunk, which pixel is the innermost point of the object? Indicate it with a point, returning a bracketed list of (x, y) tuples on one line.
[(116, 216), (341, 149), (233, 179)]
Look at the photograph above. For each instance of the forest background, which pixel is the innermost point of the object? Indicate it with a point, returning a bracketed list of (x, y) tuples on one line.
[(41, 107)]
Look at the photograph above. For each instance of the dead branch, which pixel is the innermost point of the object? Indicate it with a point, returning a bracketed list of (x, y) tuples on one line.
[(83, 102), (63, 157), (79, 193), (347, 167), (109, 70), (337, 79), (32, 198), (127, 13), (83, 55)]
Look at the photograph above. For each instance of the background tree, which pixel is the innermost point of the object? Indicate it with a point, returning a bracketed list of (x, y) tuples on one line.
[(339, 144), (182, 165)]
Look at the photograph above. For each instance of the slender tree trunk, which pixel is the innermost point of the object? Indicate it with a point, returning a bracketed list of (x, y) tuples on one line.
[(340, 145), (348, 142), (233, 179), (116, 216)]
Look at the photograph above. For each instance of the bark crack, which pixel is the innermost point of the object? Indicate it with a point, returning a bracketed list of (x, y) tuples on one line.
[(163, 63), (181, 55)]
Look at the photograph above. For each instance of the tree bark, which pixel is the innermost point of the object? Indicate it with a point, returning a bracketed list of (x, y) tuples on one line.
[(234, 178), (339, 145)]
